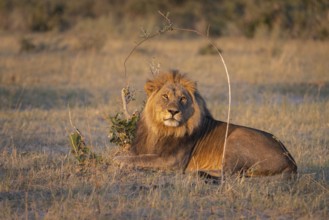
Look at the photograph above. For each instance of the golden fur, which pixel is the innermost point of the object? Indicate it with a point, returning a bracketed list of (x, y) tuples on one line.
[(176, 131)]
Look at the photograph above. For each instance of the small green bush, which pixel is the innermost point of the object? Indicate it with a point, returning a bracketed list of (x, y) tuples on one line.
[(122, 130)]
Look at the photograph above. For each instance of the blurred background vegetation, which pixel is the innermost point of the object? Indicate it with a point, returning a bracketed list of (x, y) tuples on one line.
[(306, 19)]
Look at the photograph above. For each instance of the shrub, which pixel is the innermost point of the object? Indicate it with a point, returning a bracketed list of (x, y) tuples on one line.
[(122, 130)]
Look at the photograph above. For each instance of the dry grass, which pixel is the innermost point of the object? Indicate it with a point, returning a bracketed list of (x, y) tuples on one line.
[(279, 86)]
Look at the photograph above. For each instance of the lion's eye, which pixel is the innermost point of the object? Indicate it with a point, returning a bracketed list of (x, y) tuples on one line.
[(165, 96), (183, 99)]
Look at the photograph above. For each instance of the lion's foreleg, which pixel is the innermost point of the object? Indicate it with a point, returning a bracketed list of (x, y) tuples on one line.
[(145, 161)]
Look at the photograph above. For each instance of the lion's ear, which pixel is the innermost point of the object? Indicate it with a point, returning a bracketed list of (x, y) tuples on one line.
[(190, 86), (150, 87)]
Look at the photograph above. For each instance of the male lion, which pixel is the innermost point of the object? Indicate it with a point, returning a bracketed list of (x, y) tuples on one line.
[(177, 131)]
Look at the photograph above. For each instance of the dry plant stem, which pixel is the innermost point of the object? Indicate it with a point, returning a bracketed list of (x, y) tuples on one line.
[(127, 58), (132, 51), (73, 126), (124, 104)]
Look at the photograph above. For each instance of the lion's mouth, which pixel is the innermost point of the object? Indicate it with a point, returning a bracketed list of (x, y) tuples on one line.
[(171, 122)]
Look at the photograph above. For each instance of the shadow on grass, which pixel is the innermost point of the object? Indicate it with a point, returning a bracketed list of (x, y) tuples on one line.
[(318, 172), (43, 97), (298, 91), (275, 93), (128, 188), (58, 98)]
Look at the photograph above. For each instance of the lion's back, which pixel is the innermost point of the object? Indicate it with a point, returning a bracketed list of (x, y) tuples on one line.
[(248, 150)]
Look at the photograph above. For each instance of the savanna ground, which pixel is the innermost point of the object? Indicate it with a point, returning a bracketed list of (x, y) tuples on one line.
[(281, 86)]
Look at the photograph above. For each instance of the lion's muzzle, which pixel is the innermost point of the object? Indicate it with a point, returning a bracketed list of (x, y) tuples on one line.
[(172, 117)]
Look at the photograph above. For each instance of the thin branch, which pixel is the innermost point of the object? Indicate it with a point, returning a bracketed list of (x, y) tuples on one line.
[(124, 103), (165, 17), (131, 52), (70, 118)]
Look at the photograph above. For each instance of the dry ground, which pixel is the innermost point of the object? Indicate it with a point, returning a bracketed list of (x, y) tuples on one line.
[(278, 86)]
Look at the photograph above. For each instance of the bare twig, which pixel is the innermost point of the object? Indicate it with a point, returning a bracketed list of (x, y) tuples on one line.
[(154, 67), (75, 128), (124, 102), (70, 118), (166, 17)]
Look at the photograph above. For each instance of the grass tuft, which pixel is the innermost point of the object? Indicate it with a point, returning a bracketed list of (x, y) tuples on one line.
[(83, 153)]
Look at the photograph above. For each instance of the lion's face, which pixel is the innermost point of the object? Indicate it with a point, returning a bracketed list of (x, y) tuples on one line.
[(172, 107)]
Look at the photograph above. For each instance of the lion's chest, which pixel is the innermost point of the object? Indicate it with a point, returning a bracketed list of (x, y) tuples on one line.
[(171, 146)]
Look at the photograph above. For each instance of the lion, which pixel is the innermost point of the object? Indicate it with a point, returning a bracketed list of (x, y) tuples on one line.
[(177, 131)]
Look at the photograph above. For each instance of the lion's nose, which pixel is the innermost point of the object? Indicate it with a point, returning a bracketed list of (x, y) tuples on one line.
[(173, 112)]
